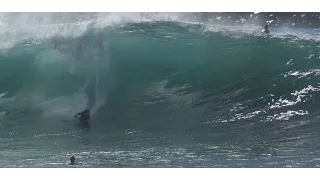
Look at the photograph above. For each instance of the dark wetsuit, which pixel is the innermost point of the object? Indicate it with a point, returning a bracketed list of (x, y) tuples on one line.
[(72, 159), (266, 27), (84, 116)]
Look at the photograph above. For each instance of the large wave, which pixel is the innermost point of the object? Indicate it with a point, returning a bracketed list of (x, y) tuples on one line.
[(158, 71)]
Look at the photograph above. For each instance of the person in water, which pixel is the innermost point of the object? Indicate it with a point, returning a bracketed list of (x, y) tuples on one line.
[(84, 115), (266, 29), (72, 159)]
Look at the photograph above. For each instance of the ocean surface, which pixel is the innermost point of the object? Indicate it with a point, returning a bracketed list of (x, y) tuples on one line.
[(164, 90)]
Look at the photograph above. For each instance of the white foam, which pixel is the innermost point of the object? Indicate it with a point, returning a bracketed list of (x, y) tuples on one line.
[(301, 74), (18, 27), (298, 94), (286, 115)]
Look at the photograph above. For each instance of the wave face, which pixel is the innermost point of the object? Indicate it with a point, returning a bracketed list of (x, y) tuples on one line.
[(165, 90)]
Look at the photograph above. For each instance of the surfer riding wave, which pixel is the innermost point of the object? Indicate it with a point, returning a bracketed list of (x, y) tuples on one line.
[(83, 116)]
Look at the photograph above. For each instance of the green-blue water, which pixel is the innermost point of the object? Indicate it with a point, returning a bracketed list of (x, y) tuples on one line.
[(162, 94)]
